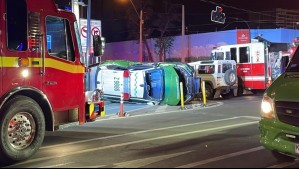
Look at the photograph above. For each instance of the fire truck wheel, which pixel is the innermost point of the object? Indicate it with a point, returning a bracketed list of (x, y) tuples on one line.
[(240, 87), (22, 129), (230, 77)]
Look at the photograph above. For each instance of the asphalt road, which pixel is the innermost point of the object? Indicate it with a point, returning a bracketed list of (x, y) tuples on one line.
[(224, 134)]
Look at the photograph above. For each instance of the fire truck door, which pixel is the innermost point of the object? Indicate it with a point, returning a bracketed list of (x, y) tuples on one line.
[(245, 67), (20, 65), (63, 77)]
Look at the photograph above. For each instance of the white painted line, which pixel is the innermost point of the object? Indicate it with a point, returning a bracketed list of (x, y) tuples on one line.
[(53, 166), (284, 165), (221, 157), (139, 132), (139, 163), (135, 142)]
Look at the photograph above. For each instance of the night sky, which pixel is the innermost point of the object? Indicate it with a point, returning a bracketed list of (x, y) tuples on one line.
[(115, 28)]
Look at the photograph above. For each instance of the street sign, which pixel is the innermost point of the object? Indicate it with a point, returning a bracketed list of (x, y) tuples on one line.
[(95, 30)]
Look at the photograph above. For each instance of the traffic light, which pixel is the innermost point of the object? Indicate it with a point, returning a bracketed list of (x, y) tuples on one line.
[(98, 45), (217, 15)]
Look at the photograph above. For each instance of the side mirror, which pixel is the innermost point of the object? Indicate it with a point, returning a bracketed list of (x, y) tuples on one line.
[(98, 45)]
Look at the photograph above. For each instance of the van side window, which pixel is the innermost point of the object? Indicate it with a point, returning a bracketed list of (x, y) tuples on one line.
[(228, 56), (16, 24), (59, 40)]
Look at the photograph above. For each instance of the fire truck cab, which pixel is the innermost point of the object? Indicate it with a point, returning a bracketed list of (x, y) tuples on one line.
[(42, 76)]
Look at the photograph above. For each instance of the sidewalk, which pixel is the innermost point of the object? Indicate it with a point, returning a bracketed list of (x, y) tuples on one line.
[(140, 109)]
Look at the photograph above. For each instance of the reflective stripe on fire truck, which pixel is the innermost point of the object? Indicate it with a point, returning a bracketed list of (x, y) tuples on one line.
[(253, 78), (49, 63)]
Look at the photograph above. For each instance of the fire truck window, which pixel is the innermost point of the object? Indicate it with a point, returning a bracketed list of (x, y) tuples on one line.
[(16, 25), (59, 41), (244, 55), (233, 52)]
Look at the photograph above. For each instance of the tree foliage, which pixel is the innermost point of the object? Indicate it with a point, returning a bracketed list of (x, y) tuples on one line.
[(159, 25)]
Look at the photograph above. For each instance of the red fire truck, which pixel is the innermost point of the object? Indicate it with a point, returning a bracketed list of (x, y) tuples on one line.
[(42, 76), (254, 64)]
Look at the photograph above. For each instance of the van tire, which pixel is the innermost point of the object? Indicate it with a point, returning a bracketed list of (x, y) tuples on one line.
[(30, 129), (230, 77), (209, 91)]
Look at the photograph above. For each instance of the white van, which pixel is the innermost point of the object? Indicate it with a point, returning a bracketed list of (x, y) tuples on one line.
[(219, 75)]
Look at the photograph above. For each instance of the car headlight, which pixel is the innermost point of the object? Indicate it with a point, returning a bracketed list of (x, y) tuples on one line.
[(267, 107)]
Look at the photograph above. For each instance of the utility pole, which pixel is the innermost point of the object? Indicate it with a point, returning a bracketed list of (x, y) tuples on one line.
[(140, 37), (183, 34)]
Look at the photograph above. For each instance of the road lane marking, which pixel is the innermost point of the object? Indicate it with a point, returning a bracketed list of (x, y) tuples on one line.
[(135, 142), (223, 157), (53, 166), (146, 161), (141, 132), (284, 165)]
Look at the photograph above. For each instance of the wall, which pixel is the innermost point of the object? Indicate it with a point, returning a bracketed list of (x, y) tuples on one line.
[(197, 46)]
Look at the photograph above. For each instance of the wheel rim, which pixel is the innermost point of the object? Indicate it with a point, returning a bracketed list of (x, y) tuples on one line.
[(21, 130), (232, 78)]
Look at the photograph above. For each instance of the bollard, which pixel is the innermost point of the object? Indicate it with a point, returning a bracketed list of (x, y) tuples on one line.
[(121, 109), (182, 96), (203, 88)]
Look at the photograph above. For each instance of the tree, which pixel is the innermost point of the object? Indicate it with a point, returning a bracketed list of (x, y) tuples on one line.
[(133, 25), (159, 25), (164, 24)]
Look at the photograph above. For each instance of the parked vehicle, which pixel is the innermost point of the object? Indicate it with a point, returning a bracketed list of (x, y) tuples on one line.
[(253, 63), (144, 83), (279, 125), (186, 73), (42, 76), (219, 75)]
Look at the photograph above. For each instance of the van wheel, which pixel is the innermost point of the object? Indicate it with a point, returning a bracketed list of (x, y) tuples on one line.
[(22, 126), (209, 92), (282, 157)]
